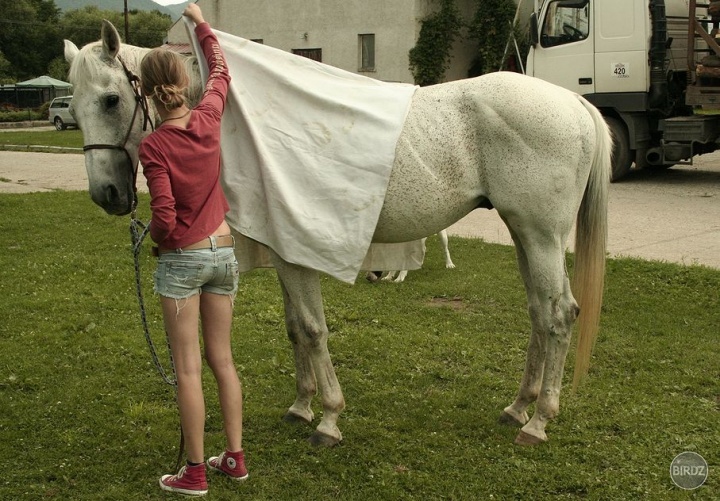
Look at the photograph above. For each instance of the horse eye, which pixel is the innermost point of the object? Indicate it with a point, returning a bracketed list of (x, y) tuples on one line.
[(112, 101)]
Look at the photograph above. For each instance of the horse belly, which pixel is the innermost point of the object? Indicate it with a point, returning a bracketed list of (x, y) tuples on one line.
[(435, 180)]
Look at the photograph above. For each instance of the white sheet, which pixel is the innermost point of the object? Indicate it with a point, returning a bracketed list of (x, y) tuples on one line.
[(307, 154)]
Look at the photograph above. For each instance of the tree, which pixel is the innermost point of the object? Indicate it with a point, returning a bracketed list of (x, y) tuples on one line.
[(58, 68), (29, 37), (5, 68), (146, 29)]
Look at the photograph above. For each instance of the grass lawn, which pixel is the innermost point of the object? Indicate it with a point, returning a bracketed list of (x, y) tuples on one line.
[(426, 367), (69, 138)]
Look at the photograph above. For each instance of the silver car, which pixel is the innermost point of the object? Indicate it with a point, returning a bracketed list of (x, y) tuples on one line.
[(59, 113)]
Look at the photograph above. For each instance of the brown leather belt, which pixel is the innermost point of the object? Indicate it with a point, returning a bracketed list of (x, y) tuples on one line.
[(205, 243)]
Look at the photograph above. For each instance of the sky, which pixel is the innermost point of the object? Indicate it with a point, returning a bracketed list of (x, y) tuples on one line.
[(168, 2)]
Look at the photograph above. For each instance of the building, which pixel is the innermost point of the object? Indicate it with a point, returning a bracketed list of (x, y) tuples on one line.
[(368, 37)]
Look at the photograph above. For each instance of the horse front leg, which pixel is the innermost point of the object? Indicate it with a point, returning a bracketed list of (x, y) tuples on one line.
[(308, 333)]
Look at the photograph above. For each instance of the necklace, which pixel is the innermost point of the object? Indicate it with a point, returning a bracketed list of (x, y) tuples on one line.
[(178, 117)]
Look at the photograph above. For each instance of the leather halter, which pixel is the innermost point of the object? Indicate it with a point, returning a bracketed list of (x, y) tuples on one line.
[(141, 103)]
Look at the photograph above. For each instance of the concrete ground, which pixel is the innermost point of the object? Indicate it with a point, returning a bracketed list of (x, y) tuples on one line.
[(669, 216)]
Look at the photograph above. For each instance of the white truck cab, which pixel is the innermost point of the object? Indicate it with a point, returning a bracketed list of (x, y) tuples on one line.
[(629, 58)]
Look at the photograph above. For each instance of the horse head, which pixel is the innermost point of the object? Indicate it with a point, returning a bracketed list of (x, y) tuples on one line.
[(112, 115)]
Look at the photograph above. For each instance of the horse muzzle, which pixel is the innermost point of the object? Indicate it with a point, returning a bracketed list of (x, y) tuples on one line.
[(112, 178), (114, 201)]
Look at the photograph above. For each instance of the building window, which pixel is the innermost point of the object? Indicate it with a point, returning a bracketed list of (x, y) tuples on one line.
[(366, 46), (314, 54)]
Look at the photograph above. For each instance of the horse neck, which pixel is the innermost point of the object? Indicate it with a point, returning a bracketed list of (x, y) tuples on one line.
[(132, 56)]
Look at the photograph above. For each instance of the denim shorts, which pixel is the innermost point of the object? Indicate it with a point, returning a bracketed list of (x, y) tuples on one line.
[(181, 275)]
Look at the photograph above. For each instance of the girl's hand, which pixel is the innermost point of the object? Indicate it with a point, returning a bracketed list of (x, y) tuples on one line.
[(194, 13)]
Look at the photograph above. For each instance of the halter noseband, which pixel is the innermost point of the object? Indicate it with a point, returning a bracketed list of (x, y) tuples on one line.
[(141, 103)]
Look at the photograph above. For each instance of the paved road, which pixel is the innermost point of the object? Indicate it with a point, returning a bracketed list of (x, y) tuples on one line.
[(671, 216)]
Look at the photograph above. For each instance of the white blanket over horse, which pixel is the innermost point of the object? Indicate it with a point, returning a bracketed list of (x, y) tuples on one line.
[(307, 153)]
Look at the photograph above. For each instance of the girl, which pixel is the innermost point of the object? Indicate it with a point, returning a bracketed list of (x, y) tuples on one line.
[(197, 272)]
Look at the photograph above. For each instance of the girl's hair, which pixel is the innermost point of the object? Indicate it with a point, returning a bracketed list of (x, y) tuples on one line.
[(164, 77)]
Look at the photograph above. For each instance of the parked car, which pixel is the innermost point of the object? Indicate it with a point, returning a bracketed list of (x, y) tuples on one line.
[(59, 113)]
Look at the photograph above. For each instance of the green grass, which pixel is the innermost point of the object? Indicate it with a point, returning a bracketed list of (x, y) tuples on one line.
[(426, 367), (69, 138)]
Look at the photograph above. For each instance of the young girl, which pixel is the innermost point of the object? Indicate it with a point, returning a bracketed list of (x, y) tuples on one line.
[(197, 272)]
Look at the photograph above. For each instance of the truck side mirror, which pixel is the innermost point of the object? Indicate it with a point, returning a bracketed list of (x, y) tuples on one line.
[(534, 38)]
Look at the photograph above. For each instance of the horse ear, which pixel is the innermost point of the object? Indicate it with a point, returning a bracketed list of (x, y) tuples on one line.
[(71, 51), (110, 40)]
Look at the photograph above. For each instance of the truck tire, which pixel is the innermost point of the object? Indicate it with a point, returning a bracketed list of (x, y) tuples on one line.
[(621, 156)]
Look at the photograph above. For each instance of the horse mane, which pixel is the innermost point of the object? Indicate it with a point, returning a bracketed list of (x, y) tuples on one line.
[(88, 63)]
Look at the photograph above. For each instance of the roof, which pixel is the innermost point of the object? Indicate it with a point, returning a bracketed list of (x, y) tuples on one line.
[(44, 81)]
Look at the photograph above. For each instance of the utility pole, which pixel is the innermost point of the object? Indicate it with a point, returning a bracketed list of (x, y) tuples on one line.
[(127, 36)]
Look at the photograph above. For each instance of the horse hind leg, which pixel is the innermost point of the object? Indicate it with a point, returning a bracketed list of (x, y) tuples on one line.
[(308, 333), (516, 413), (553, 311)]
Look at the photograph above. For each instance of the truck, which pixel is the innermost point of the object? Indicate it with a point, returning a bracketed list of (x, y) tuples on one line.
[(652, 67)]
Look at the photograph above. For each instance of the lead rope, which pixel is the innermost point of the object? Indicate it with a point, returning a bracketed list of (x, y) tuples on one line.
[(138, 232)]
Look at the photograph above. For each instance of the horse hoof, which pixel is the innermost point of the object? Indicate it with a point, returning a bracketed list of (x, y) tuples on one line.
[(292, 418), (318, 439), (527, 440), (509, 419)]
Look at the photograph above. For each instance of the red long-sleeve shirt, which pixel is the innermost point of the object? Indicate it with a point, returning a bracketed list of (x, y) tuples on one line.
[(182, 165)]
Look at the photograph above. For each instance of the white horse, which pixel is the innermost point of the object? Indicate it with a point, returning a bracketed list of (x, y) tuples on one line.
[(398, 276), (536, 153)]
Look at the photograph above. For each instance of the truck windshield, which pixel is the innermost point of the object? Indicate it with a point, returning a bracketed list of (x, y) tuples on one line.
[(565, 22)]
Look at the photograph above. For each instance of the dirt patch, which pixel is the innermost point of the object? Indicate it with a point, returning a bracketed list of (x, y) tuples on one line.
[(455, 303)]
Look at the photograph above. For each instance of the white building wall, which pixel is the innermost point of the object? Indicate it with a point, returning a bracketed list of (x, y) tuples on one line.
[(334, 27)]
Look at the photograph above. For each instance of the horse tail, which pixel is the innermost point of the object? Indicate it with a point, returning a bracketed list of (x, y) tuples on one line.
[(591, 243)]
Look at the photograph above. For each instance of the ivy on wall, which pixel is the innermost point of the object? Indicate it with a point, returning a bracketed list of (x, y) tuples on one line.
[(490, 27), (431, 55)]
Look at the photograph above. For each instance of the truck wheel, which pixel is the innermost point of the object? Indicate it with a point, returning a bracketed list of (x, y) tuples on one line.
[(621, 157)]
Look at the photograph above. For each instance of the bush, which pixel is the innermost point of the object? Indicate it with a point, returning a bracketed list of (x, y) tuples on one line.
[(9, 113), (21, 116)]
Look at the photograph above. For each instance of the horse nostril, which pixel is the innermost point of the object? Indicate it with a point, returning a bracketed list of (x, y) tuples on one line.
[(111, 193)]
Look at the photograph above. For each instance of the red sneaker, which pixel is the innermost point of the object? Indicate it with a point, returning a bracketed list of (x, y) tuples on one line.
[(231, 464), (190, 480)]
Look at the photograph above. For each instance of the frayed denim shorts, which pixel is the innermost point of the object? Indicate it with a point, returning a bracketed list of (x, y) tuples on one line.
[(184, 274)]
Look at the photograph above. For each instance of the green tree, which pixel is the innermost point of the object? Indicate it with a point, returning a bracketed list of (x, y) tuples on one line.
[(29, 37), (58, 68), (5, 70), (145, 29), (148, 28)]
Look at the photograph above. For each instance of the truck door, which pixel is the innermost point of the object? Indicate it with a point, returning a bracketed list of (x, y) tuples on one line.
[(622, 34), (565, 52)]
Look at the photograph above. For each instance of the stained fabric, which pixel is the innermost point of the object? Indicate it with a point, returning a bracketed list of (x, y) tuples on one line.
[(307, 151)]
